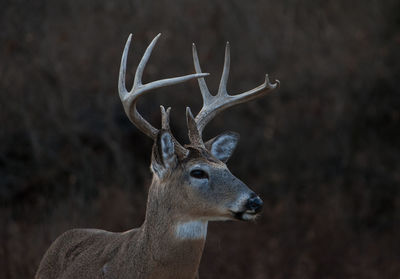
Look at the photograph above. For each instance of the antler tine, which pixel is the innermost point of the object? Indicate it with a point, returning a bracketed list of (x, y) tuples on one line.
[(225, 72), (129, 99), (122, 70), (165, 117), (143, 62), (205, 93), (222, 100), (193, 131), (181, 151)]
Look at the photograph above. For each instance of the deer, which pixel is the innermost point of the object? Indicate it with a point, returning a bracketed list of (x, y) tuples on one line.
[(191, 186)]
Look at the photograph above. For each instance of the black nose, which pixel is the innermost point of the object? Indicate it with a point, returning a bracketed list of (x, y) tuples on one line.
[(254, 203)]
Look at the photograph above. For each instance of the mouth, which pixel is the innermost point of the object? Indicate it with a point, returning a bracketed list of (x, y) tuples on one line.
[(247, 215)]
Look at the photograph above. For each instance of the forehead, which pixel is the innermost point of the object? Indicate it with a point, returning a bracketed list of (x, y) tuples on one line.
[(201, 155)]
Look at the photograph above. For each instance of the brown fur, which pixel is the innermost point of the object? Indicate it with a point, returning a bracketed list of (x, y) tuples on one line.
[(151, 251), (191, 186)]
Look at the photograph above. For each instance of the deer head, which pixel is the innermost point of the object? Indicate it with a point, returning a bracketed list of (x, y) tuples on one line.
[(193, 180)]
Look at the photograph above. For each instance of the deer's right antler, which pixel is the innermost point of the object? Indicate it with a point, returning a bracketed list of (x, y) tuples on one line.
[(212, 105), (129, 99)]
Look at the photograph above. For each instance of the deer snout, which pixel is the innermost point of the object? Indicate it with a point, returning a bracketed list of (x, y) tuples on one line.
[(248, 208), (254, 203)]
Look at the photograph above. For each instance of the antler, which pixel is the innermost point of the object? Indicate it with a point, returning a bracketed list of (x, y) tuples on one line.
[(212, 105), (129, 99)]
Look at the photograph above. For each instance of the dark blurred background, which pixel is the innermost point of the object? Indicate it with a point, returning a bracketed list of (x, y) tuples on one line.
[(322, 151)]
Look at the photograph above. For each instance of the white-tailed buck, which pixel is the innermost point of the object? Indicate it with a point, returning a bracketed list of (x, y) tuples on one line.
[(191, 186)]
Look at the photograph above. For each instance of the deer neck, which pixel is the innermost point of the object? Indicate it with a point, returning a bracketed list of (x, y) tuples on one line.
[(173, 242)]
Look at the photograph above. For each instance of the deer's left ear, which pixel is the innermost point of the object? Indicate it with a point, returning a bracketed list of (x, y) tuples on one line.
[(222, 146)]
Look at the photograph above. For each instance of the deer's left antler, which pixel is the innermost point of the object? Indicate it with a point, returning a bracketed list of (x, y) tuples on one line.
[(213, 104)]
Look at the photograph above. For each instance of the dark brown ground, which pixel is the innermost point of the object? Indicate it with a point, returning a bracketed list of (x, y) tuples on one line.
[(323, 151)]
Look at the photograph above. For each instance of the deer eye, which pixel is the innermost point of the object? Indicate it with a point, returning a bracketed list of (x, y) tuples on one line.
[(199, 174)]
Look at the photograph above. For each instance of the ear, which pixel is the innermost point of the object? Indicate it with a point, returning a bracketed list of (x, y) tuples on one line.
[(222, 146), (163, 157)]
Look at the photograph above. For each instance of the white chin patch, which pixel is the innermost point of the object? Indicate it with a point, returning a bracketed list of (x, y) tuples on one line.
[(248, 217), (191, 230)]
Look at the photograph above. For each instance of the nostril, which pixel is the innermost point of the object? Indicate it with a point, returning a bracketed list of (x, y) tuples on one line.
[(254, 203)]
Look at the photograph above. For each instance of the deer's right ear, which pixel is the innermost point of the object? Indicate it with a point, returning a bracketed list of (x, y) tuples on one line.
[(223, 145), (164, 156)]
